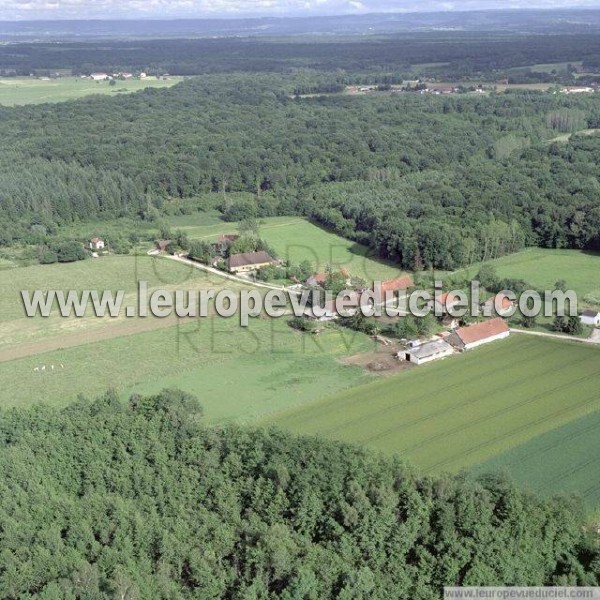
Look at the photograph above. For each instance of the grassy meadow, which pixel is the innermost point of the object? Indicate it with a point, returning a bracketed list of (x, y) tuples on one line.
[(466, 409), (297, 239), (18, 91), (543, 267), (238, 374)]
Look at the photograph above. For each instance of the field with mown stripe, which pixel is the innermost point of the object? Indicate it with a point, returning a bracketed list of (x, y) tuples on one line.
[(466, 409), (566, 459)]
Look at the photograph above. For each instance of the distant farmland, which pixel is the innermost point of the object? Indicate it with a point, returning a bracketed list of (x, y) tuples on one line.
[(465, 409), (20, 91), (566, 459)]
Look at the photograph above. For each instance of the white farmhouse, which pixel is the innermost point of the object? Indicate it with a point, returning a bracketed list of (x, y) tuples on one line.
[(591, 318)]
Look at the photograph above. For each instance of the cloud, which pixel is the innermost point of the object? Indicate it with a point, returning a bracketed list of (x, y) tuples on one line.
[(107, 9)]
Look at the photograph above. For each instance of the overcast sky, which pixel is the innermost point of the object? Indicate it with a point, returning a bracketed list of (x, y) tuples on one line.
[(107, 9)]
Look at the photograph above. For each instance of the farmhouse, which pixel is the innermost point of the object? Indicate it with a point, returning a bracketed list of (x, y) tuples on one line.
[(99, 76), (504, 305), (317, 280), (162, 245), (222, 245), (399, 284), (427, 352), (444, 303), (329, 312), (590, 317), (249, 261), (97, 243), (467, 338)]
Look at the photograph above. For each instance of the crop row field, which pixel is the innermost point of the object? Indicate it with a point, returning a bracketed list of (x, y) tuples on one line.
[(464, 410), (566, 460)]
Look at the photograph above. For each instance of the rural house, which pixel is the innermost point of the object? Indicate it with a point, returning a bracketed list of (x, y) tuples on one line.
[(97, 243), (162, 245), (590, 317), (250, 261), (317, 280), (222, 245), (329, 312), (99, 76), (504, 305), (444, 303), (467, 338), (399, 284), (426, 352)]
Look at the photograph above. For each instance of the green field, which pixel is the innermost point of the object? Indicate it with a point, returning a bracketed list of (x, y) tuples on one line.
[(466, 409), (544, 267), (237, 373), (28, 90), (566, 459), (297, 239)]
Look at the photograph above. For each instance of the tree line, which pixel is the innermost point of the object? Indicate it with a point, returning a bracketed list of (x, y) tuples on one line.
[(105, 499)]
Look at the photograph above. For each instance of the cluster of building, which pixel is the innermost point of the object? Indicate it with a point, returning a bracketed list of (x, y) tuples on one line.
[(106, 77), (461, 339)]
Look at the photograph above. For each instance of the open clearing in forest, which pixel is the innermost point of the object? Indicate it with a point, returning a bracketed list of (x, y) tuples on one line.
[(297, 239)]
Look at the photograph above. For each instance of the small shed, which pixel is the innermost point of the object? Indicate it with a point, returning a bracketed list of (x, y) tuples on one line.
[(590, 317)]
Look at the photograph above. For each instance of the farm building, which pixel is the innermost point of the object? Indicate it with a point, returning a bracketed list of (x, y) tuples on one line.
[(399, 284), (498, 304), (317, 280), (249, 261), (328, 311), (444, 303), (97, 243), (162, 245), (467, 338), (99, 76), (590, 317), (427, 352), (222, 245)]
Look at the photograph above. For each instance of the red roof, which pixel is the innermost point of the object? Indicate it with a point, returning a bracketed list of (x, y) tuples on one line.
[(228, 237), (319, 278), (482, 331), (504, 302), (400, 283)]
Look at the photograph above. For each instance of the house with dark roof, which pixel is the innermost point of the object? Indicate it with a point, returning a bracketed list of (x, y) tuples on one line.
[(317, 280), (250, 261), (472, 336), (590, 317), (224, 242)]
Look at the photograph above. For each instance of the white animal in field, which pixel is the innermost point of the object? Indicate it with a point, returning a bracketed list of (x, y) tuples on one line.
[(52, 367), (43, 367), (62, 366), (36, 369)]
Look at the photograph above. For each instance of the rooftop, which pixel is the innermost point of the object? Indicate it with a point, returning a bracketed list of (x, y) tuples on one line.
[(250, 258), (482, 331)]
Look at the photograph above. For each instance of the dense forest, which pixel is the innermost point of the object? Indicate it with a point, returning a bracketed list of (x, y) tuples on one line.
[(490, 54), (425, 180), (109, 500)]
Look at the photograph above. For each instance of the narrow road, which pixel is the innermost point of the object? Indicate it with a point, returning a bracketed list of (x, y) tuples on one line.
[(593, 339)]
